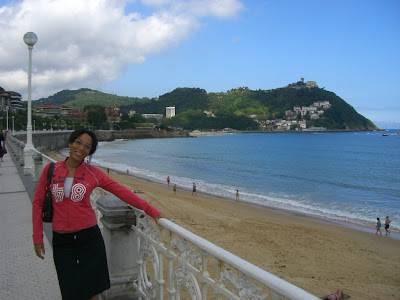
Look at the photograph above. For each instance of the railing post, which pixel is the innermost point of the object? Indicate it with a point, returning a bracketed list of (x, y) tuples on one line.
[(37, 166), (119, 240), (28, 160), (21, 153)]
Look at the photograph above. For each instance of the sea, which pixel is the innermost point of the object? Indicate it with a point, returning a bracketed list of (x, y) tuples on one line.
[(350, 177)]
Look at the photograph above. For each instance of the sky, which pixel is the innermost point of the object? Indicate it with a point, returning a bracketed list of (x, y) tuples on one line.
[(146, 48)]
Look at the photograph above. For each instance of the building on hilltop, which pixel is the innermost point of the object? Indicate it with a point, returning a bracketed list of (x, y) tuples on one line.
[(300, 84), (311, 84)]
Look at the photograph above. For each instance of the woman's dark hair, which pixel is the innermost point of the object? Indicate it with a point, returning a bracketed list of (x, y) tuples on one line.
[(77, 133)]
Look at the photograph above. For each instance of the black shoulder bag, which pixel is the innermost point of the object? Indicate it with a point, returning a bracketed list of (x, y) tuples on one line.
[(47, 210)]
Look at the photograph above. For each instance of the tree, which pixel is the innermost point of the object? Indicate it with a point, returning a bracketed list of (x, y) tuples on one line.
[(95, 114)]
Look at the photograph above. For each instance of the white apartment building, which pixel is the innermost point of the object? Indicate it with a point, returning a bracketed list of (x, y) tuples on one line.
[(170, 112)]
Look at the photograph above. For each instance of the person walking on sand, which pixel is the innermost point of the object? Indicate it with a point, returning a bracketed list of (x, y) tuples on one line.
[(387, 222), (78, 247), (174, 189), (378, 226), (237, 195), (168, 180), (194, 189)]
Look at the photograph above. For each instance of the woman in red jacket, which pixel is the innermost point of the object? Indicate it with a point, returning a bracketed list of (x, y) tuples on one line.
[(78, 246)]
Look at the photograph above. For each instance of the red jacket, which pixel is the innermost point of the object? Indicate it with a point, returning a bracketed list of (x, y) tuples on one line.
[(76, 212)]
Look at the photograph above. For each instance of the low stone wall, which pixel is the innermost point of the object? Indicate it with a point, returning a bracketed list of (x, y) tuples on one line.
[(44, 141), (110, 135)]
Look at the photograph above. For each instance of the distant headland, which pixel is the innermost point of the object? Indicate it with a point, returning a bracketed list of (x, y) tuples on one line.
[(299, 106)]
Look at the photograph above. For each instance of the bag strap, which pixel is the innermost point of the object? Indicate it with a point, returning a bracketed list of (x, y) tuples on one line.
[(50, 174)]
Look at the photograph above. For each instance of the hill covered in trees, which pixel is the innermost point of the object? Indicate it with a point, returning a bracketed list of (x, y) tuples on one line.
[(85, 97), (239, 108)]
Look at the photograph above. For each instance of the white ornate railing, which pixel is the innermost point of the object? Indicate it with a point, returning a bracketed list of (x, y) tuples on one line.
[(173, 263), (177, 264)]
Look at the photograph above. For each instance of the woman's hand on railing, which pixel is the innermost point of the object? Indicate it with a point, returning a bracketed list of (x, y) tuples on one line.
[(160, 215)]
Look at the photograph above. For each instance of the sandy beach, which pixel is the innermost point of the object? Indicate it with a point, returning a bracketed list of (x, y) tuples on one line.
[(315, 255)]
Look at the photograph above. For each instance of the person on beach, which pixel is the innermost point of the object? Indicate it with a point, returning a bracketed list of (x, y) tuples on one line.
[(108, 171), (194, 189), (168, 180), (334, 296), (237, 195), (378, 226), (174, 189), (78, 246), (387, 222)]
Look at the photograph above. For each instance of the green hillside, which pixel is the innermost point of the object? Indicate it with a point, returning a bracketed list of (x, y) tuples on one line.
[(266, 105), (228, 109), (83, 97)]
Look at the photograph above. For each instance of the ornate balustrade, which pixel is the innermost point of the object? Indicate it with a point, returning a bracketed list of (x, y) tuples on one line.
[(174, 263), (147, 261)]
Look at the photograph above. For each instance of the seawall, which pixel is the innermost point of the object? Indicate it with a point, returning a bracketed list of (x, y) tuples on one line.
[(53, 140)]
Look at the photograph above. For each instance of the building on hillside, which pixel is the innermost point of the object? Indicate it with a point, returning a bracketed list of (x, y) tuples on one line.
[(170, 112), (113, 115), (47, 110), (15, 101), (158, 117), (209, 113), (65, 112), (291, 115), (10, 100), (79, 114)]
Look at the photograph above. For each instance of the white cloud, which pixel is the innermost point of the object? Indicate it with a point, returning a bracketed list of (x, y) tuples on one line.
[(89, 43)]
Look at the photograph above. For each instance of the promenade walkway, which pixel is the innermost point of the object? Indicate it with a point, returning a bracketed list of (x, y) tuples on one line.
[(22, 274)]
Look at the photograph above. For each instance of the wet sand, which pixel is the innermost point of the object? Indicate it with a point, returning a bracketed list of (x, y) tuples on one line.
[(313, 254)]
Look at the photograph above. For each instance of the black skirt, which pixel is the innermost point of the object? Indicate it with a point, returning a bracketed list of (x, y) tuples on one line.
[(81, 263)]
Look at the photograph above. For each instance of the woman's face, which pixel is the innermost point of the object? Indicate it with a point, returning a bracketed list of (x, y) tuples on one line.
[(81, 147)]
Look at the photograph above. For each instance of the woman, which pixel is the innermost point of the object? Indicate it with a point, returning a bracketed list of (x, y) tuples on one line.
[(78, 246), (378, 226)]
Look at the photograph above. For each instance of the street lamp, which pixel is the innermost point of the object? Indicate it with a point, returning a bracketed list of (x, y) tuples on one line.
[(7, 117), (30, 39), (13, 123)]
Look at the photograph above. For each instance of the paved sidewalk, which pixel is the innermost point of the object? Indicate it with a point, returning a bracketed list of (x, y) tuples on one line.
[(22, 274)]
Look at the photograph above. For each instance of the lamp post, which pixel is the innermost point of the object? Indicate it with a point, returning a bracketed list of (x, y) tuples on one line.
[(7, 117), (13, 123), (30, 39)]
